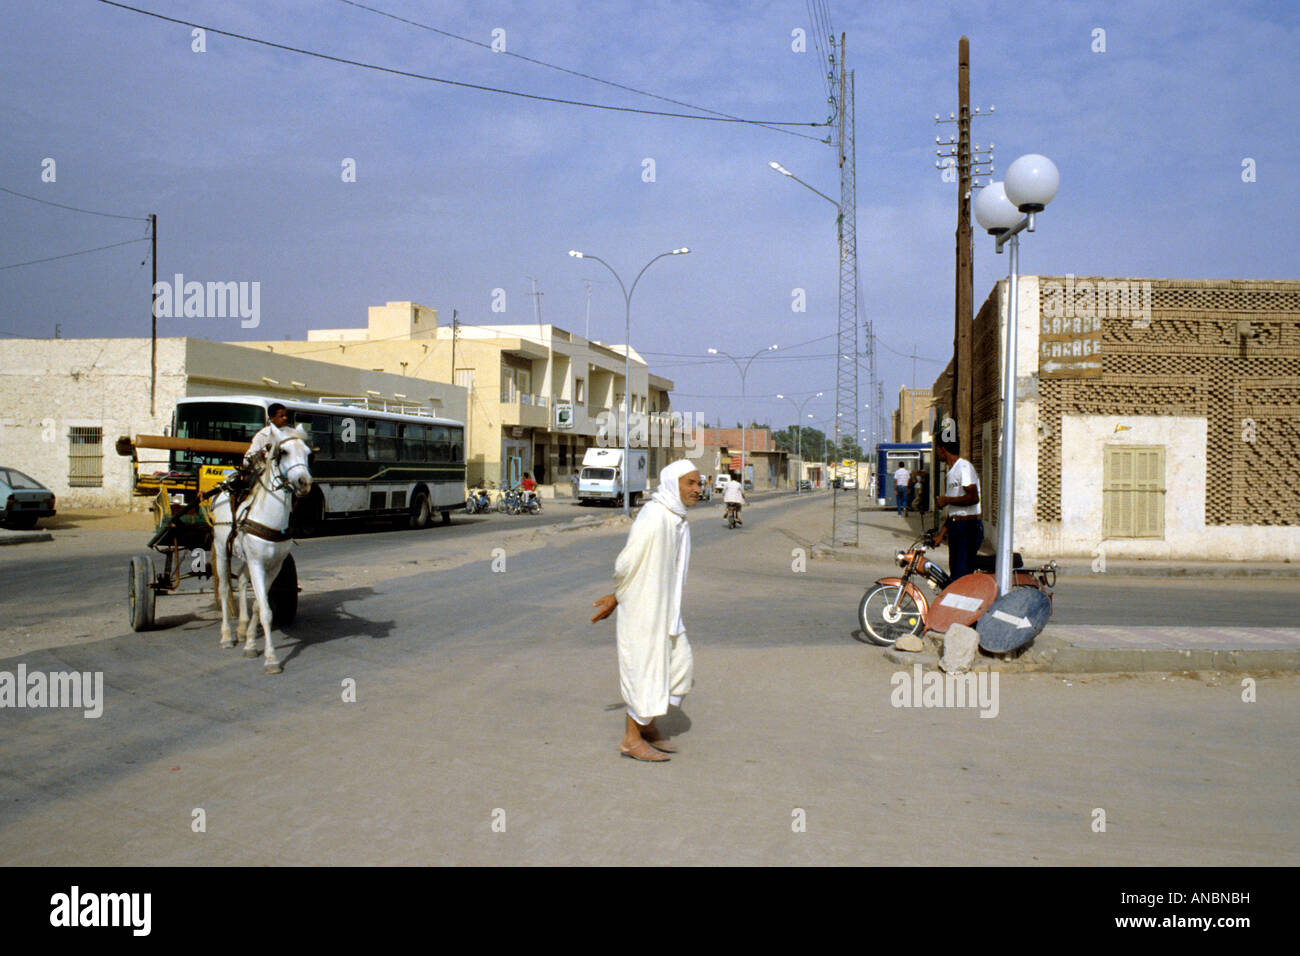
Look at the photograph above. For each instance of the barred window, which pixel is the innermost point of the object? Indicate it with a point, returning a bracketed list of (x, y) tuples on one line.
[(86, 457)]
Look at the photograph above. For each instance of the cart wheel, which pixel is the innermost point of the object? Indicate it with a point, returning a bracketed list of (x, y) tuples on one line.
[(284, 594), (140, 592)]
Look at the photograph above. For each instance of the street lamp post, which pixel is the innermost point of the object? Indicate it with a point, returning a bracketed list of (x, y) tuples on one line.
[(627, 354), (798, 425), (1031, 184), (743, 413)]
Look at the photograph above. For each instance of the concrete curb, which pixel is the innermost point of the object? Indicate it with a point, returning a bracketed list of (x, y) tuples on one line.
[(1055, 655), (22, 537), (1114, 569)]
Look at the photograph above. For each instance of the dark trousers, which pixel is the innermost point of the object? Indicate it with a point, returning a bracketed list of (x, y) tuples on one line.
[(964, 540), (901, 492)]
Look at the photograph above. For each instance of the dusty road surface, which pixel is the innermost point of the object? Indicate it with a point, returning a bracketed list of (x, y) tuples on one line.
[(486, 719)]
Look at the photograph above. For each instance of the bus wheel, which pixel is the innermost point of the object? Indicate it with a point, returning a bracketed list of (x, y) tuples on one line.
[(420, 511)]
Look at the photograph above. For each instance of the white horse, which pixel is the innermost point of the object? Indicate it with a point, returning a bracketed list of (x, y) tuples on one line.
[(261, 538)]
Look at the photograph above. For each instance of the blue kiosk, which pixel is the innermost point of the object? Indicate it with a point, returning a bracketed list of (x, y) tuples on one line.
[(889, 455)]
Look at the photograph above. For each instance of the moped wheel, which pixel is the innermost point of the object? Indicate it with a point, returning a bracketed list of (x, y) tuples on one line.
[(502, 507), (876, 627)]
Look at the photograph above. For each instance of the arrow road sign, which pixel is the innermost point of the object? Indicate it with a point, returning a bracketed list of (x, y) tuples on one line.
[(1014, 619)]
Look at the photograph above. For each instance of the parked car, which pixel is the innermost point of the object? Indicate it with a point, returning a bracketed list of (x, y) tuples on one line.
[(26, 499), (850, 483), (805, 485)]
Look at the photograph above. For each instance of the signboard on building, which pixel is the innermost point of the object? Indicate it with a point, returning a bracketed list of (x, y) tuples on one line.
[(563, 414), (1069, 347), (849, 463)]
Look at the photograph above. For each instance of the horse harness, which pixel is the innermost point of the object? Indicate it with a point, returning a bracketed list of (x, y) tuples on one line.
[(247, 524)]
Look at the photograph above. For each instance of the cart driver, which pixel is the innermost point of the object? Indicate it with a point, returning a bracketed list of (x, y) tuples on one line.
[(277, 415)]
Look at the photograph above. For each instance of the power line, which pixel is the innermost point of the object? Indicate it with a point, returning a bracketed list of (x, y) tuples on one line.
[(784, 348), (438, 79), (69, 255), (562, 69), (91, 212)]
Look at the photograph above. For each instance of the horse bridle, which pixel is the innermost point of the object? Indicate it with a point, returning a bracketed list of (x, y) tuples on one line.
[(281, 481)]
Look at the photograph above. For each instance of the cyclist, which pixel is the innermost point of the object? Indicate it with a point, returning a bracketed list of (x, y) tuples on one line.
[(734, 496)]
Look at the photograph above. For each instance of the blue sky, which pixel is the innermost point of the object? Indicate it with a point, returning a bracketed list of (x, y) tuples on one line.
[(239, 149)]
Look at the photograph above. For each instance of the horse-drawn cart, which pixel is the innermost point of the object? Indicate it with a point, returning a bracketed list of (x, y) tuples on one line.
[(183, 530)]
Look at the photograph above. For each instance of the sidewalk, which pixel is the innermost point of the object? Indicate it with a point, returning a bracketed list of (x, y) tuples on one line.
[(9, 536), (1088, 649), (1078, 648), (883, 532)]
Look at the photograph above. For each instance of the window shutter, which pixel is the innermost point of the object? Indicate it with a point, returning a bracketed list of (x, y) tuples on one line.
[(1133, 492)]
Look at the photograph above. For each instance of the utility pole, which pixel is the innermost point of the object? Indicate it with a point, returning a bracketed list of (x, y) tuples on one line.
[(968, 165), (153, 310), (455, 329)]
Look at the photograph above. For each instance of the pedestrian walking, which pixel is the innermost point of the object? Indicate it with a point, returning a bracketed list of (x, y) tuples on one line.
[(654, 655)]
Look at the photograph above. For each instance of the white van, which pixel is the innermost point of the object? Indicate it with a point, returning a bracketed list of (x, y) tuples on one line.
[(601, 478)]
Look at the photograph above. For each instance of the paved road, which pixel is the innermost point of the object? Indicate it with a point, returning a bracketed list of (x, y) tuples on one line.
[(479, 692)]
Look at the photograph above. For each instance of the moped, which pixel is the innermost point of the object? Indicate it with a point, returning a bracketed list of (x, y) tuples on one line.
[(897, 606)]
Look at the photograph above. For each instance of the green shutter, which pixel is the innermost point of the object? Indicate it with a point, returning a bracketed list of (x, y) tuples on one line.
[(1133, 492)]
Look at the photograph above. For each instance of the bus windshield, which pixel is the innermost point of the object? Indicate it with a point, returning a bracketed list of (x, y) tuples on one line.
[(598, 474), (216, 421)]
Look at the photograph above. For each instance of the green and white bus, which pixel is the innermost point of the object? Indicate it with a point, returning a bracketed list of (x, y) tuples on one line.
[(372, 459)]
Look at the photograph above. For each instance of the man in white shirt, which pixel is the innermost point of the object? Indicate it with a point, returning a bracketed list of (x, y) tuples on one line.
[(900, 487), (733, 496), (277, 415), (963, 528)]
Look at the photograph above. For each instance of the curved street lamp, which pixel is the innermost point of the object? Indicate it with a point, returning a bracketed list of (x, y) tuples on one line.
[(1030, 184), (627, 353), (798, 426), (743, 415)]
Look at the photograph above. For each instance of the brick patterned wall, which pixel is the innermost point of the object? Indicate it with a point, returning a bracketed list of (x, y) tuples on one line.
[(1194, 360)]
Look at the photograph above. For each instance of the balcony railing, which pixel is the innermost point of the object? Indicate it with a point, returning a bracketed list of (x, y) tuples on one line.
[(523, 398)]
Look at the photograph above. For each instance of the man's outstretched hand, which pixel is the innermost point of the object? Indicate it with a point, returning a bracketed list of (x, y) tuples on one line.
[(606, 605)]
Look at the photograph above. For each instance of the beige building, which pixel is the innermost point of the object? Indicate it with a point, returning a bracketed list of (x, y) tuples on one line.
[(912, 419), (1155, 417), (538, 395), (67, 401)]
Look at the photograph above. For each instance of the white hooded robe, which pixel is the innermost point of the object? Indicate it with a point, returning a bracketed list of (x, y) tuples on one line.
[(654, 654)]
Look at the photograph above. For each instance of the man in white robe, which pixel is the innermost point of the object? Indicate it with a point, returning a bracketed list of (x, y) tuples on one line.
[(654, 654)]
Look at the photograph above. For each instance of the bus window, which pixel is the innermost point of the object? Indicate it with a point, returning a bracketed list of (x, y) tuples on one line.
[(317, 428), (457, 444), (439, 443), (381, 440), (349, 438), (412, 440), (216, 420)]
